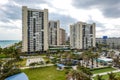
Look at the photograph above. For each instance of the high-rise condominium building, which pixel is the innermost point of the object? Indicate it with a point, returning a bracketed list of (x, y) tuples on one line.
[(82, 35), (34, 30), (62, 36), (53, 32)]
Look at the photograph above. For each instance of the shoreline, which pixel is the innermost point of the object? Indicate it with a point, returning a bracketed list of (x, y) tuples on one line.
[(8, 43)]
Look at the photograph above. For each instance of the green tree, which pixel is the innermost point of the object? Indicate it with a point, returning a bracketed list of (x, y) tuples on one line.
[(89, 56), (0, 50), (8, 69), (96, 58), (86, 57), (112, 76), (116, 61), (99, 77), (111, 54), (76, 75), (86, 71), (1, 66), (118, 77)]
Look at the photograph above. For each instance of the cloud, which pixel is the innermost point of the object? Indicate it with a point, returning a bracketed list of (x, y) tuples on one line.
[(112, 12), (10, 34), (11, 24), (105, 13), (109, 8), (98, 24), (11, 15), (65, 20), (30, 2), (11, 12)]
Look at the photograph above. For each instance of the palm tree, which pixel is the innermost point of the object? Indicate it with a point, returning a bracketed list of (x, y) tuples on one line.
[(111, 54), (72, 74), (96, 58), (112, 76), (76, 75), (92, 56), (61, 54), (69, 58), (86, 57), (86, 71), (118, 77), (116, 61), (99, 77)]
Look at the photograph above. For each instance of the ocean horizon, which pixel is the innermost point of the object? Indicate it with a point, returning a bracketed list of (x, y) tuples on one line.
[(5, 43)]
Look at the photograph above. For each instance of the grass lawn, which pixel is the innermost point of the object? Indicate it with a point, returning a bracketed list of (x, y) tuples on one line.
[(105, 77), (3, 56), (45, 58), (22, 63), (101, 70), (45, 73)]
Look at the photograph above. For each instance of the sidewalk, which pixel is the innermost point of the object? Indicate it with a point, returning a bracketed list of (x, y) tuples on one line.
[(37, 66), (115, 71)]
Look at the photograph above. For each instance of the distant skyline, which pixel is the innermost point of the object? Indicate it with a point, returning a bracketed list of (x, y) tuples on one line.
[(105, 13)]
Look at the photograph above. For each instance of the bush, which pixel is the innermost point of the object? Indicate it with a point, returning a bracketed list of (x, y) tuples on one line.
[(32, 64), (36, 63), (66, 72), (68, 67), (47, 62), (54, 60), (10, 73)]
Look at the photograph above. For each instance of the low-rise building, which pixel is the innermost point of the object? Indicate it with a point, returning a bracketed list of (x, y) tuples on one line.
[(34, 60), (111, 42)]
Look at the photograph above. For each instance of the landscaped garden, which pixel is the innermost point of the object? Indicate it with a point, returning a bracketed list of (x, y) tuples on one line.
[(45, 73), (106, 77), (21, 63), (102, 70), (50, 73), (60, 57), (3, 56)]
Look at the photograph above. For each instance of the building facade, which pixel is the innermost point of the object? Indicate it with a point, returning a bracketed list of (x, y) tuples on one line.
[(53, 32), (62, 36), (82, 35), (34, 29), (112, 42)]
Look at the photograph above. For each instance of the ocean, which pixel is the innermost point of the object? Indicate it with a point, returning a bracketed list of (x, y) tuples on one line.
[(5, 43)]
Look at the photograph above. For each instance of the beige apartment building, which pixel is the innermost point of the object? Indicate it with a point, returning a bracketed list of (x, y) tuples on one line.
[(53, 32), (82, 35), (62, 36), (34, 30)]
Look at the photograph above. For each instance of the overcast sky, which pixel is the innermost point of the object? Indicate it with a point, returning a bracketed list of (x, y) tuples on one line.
[(105, 13)]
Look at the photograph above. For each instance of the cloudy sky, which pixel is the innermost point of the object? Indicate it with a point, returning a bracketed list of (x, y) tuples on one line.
[(105, 13)]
